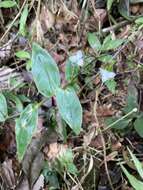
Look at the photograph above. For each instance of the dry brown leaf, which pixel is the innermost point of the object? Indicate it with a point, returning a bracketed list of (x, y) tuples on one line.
[(68, 14), (97, 142), (39, 183), (47, 19), (39, 32), (8, 174), (33, 161), (100, 16), (125, 32), (116, 146), (55, 150), (141, 9), (89, 136), (5, 51), (59, 58), (111, 156), (87, 117), (23, 184), (7, 140), (139, 44), (135, 8), (105, 111), (40, 123)]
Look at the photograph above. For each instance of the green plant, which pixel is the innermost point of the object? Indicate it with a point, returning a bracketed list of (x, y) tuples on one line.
[(136, 184), (7, 4), (101, 51), (65, 163), (47, 79), (132, 117)]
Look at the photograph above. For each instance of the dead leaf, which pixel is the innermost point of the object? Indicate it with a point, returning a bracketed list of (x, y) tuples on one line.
[(100, 16), (5, 51), (47, 19), (105, 111), (36, 168), (87, 117), (39, 32), (134, 8), (7, 141), (39, 183), (97, 142), (68, 14), (111, 156), (89, 136), (8, 174), (125, 32), (59, 58), (116, 146), (139, 44), (40, 123), (23, 184), (55, 150), (34, 159)]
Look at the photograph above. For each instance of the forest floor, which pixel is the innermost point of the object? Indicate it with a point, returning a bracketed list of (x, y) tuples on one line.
[(98, 48)]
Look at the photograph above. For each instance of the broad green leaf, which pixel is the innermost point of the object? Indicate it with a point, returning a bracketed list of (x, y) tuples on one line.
[(23, 98), (28, 65), (111, 85), (122, 124), (45, 71), (50, 177), (136, 184), (3, 108), (22, 54), (66, 161), (94, 41), (7, 4), (132, 99), (26, 125), (23, 18), (137, 163), (72, 65), (14, 98), (123, 8), (139, 20), (109, 44), (70, 108), (109, 4), (106, 58), (138, 125)]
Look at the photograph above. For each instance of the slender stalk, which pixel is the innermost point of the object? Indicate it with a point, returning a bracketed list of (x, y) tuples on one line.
[(118, 120)]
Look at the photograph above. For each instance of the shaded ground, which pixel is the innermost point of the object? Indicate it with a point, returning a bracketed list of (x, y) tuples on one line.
[(63, 29)]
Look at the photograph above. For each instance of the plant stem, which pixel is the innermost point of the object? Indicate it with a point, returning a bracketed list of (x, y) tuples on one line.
[(125, 116)]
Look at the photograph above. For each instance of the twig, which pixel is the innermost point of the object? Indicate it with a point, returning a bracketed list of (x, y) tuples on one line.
[(120, 119), (116, 26), (103, 141), (12, 23)]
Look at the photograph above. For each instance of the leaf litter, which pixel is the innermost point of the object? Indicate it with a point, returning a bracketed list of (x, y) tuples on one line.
[(62, 28)]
